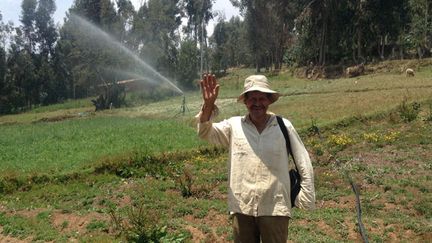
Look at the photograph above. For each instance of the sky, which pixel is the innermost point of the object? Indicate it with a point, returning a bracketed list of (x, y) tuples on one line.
[(11, 10)]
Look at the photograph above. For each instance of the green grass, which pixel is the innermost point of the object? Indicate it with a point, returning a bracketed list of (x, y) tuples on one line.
[(132, 158), (60, 147), (68, 104)]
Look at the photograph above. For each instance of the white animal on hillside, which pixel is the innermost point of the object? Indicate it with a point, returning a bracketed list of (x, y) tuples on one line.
[(409, 72)]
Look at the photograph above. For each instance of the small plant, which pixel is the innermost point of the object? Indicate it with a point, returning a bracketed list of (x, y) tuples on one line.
[(409, 113), (429, 116), (97, 225), (341, 141), (317, 147), (381, 139), (371, 137), (64, 225), (138, 226), (391, 137), (185, 180), (314, 129)]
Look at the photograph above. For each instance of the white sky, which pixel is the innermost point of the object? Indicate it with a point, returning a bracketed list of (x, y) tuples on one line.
[(11, 10)]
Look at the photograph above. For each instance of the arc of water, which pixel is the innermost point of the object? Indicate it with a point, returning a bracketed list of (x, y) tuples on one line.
[(93, 29)]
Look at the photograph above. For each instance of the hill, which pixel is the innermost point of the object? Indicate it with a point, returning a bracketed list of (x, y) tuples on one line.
[(372, 130)]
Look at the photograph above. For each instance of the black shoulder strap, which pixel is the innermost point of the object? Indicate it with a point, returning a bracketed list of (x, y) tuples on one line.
[(287, 141)]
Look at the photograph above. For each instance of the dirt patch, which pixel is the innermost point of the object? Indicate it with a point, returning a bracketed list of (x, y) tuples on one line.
[(328, 230), (211, 222), (55, 118), (69, 222), (344, 202), (197, 235)]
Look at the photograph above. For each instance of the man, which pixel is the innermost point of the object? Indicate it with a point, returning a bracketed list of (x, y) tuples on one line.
[(259, 183)]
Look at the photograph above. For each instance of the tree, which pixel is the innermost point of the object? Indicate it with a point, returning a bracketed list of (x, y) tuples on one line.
[(46, 37), (268, 24), (87, 45), (28, 19), (126, 14), (199, 14), (46, 33), (420, 30), (187, 67), (88, 9), (229, 45), (156, 27), (21, 71)]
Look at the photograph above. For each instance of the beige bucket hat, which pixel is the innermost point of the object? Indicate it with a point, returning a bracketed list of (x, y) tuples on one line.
[(258, 83)]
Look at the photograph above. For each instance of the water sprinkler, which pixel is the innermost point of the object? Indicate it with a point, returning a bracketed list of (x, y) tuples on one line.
[(183, 107)]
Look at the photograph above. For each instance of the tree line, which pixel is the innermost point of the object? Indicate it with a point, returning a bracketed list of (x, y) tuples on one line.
[(41, 63)]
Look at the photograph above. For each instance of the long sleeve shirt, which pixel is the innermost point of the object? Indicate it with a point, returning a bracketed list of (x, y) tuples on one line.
[(258, 167)]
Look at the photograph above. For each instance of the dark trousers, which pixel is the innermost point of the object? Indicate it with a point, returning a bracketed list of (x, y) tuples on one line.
[(268, 229)]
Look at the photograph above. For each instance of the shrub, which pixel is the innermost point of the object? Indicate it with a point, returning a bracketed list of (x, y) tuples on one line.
[(429, 116), (409, 113), (185, 180)]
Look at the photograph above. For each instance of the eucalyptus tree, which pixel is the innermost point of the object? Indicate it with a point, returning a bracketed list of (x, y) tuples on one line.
[(23, 53), (187, 64), (5, 106), (156, 29), (420, 29), (198, 13), (269, 24), (88, 9), (28, 19), (21, 71), (86, 54), (46, 32), (229, 45), (2, 52), (126, 15), (386, 19)]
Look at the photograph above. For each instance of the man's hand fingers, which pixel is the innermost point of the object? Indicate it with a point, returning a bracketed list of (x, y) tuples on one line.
[(217, 90), (209, 86)]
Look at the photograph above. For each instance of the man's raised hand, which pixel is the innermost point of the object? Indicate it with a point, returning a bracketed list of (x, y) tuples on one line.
[(209, 89)]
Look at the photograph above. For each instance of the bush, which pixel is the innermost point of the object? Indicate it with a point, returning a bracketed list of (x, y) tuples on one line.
[(409, 113)]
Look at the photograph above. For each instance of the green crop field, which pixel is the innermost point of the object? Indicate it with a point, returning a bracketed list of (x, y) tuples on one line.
[(65, 146), (140, 173)]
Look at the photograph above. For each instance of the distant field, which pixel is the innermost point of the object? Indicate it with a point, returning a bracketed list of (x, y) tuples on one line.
[(69, 145), (325, 101)]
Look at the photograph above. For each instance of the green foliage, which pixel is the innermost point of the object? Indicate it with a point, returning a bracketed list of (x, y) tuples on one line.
[(230, 45), (69, 145), (409, 112), (143, 226), (187, 64), (97, 225), (185, 179), (429, 114), (22, 227)]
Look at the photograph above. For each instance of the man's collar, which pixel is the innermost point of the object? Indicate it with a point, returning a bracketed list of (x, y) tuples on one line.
[(246, 118)]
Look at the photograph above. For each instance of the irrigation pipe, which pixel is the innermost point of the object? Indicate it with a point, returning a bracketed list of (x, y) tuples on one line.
[(359, 211), (358, 206)]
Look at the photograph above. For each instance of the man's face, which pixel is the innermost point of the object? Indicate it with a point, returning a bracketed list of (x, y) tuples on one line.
[(257, 103)]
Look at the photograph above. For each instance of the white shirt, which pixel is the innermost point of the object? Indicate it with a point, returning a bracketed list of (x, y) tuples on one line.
[(258, 169)]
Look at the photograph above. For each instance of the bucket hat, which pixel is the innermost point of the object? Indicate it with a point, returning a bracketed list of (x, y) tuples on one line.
[(258, 83)]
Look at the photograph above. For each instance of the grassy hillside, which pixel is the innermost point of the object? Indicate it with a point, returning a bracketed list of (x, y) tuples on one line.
[(140, 173)]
